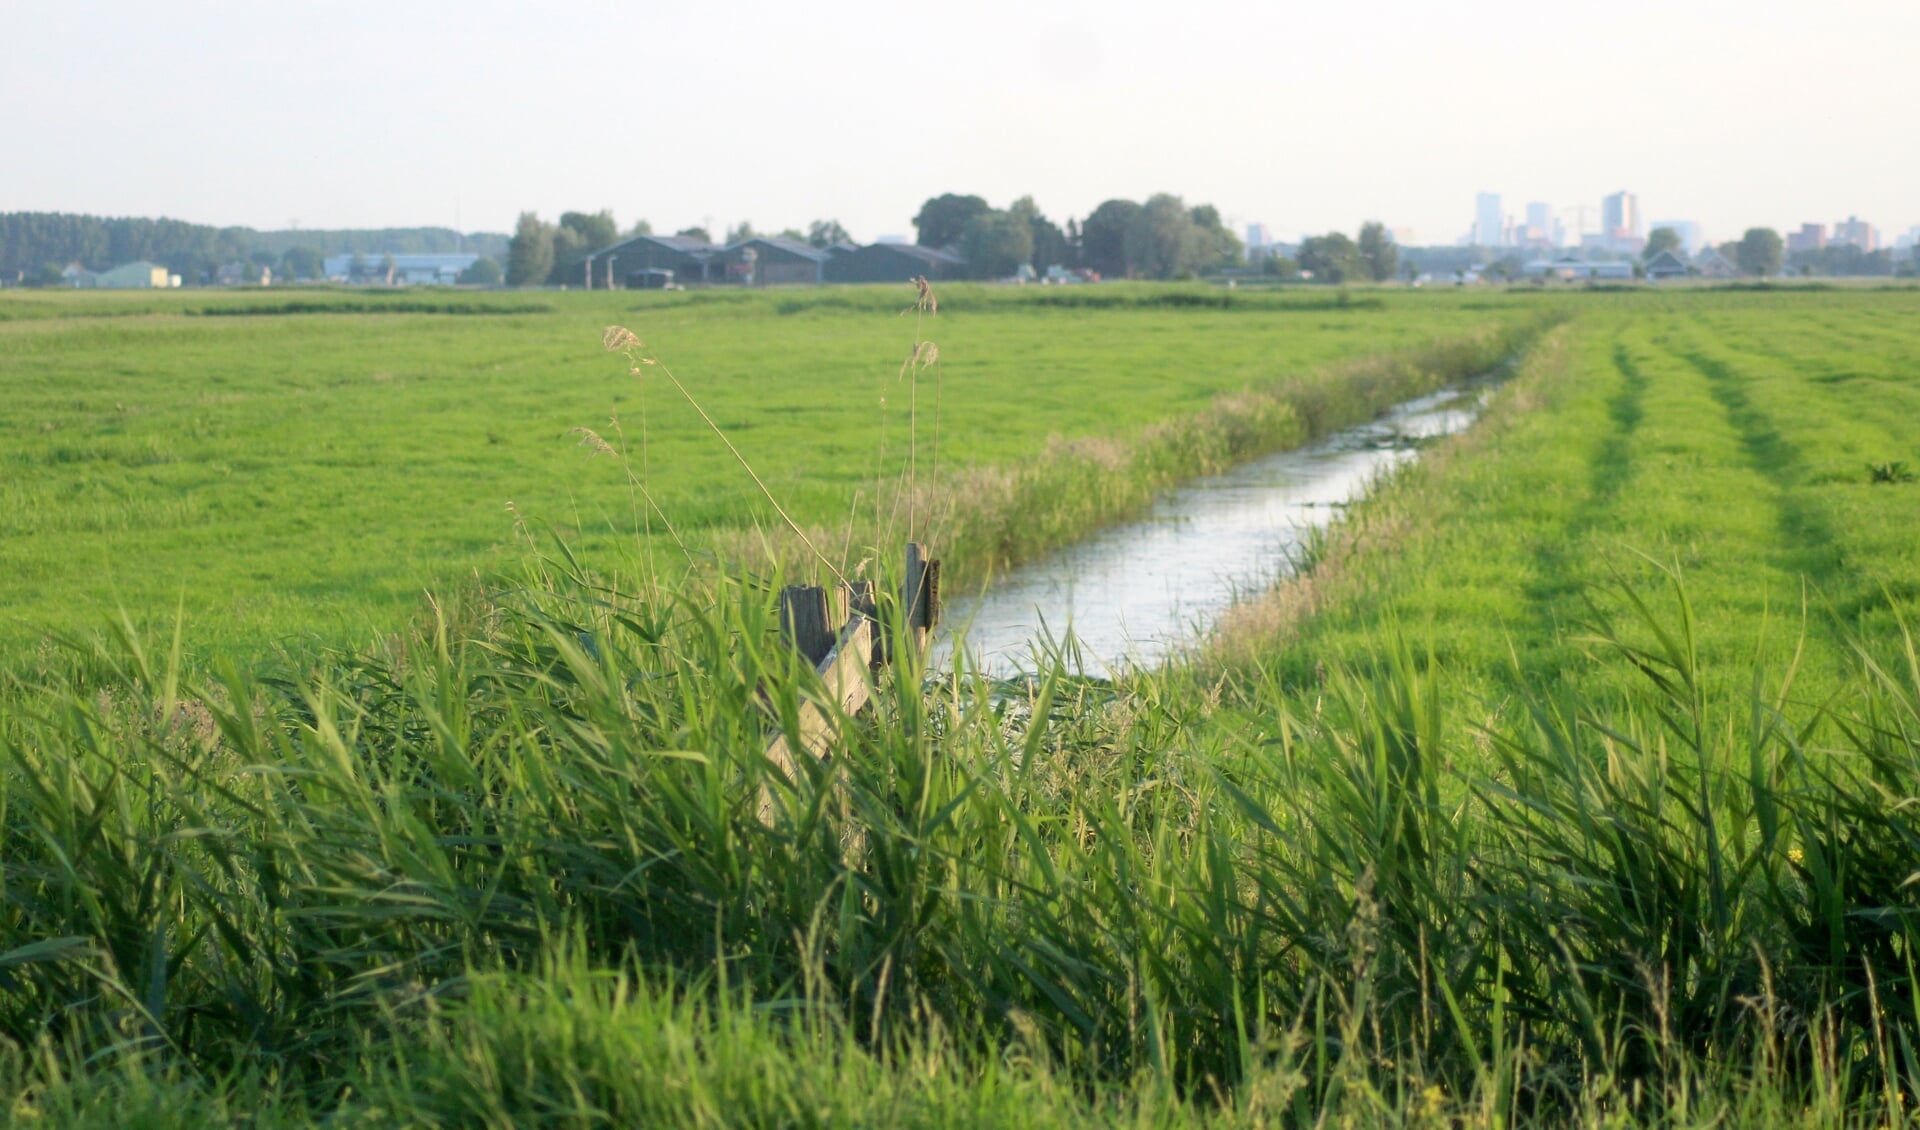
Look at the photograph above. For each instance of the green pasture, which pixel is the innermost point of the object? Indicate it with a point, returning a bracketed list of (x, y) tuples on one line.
[(1573, 783), (305, 476), (1732, 438)]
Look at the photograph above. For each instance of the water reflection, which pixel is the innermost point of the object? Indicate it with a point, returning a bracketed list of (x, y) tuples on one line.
[(1130, 595)]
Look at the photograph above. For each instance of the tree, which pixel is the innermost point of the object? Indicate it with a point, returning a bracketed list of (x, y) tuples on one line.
[(1661, 239), (1332, 257), (579, 235), (640, 227), (995, 244), (570, 251), (529, 252), (1215, 247), (1049, 242), (484, 271), (594, 231), (741, 232), (1163, 242), (302, 263), (1760, 251), (1103, 238), (826, 233), (943, 218), (1377, 251), (794, 235), (1279, 266), (695, 233)]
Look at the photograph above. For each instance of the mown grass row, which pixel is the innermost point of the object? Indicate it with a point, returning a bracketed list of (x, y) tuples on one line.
[(1701, 432)]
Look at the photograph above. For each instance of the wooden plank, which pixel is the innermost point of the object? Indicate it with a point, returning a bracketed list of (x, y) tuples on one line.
[(846, 664), (845, 673)]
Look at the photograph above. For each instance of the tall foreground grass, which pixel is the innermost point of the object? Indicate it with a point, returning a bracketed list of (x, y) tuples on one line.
[(521, 875)]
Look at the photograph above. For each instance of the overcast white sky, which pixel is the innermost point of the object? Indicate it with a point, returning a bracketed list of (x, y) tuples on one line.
[(1305, 115)]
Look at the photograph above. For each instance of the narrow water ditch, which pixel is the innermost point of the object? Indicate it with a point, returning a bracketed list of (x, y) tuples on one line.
[(1133, 594)]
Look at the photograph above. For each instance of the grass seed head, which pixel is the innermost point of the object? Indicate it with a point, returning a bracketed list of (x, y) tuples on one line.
[(924, 301), (921, 356), (591, 439), (615, 338)]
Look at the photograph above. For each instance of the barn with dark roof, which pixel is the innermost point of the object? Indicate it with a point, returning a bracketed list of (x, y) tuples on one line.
[(770, 262), (631, 260)]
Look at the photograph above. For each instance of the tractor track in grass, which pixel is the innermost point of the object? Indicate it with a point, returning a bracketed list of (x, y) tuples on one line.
[(1810, 546), (1556, 578)]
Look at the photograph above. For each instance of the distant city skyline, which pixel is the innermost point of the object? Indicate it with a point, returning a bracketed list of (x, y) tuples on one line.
[(361, 114)]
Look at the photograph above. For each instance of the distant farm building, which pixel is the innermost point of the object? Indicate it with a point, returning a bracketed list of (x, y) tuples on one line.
[(137, 275), (1569, 268), (893, 262), (1666, 265), (1712, 265), (652, 262), (389, 269), (636, 261), (243, 274), (770, 262)]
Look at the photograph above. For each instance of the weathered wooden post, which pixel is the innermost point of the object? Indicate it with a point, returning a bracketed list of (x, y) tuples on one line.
[(847, 660), (920, 595), (803, 620)]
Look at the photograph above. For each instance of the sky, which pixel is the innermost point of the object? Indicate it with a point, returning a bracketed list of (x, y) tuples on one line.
[(1308, 117)]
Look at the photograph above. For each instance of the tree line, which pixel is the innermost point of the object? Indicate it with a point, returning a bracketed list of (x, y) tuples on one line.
[(1162, 238), (36, 246)]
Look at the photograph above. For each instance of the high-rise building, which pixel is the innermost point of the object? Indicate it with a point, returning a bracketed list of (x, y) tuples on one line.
[(1488, 230), (1909, 240), (1540, 225), (1810, 237), (1688, 231), (1620, 216), (1857, 232)]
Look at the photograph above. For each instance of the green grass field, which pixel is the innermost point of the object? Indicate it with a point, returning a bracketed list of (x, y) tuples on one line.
[(1572, 784), (304, 477), (1732, 437)]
